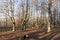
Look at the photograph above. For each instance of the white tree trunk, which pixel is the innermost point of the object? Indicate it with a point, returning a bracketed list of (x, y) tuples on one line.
[(13, 27), (48, 28), (13, 24)]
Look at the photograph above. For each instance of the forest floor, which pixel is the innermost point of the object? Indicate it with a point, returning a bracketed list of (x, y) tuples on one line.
[(33, 34), (42, 35)]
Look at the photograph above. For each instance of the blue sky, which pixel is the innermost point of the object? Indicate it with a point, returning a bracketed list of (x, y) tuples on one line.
[(17, 2)]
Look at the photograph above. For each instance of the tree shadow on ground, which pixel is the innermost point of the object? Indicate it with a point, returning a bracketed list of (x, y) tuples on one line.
[(34, 35)]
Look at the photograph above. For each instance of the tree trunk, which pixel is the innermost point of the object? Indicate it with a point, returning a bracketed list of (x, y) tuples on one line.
[(50, 14)]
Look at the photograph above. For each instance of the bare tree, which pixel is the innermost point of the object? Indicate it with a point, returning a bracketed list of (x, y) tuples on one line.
[(43, 11), (25, 15), (12, 14), (6, 11), (50, 14), (56, 11)]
